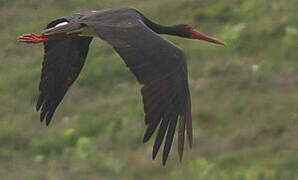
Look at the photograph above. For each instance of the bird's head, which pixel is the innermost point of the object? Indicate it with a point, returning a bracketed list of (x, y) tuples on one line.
[(187, 31)]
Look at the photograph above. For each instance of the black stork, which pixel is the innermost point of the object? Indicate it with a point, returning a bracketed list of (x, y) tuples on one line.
[(157, 64)]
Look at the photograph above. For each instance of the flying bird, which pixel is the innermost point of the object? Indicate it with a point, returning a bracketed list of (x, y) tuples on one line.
[(156, 63)]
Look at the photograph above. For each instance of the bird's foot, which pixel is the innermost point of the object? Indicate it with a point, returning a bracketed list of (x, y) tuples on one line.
[(33, 38)]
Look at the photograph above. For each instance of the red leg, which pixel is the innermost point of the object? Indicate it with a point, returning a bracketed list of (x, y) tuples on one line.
[(33, 38)]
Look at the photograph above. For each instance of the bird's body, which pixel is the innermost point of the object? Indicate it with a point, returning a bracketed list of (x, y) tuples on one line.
[(156, 63)]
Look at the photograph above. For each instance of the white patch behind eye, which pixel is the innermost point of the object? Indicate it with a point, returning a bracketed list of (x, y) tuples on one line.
[(61, 24)]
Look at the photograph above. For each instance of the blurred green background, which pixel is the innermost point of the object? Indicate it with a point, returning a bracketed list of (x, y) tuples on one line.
[(244, 96)]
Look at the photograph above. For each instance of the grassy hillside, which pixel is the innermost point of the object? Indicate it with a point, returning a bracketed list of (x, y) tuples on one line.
[(244, 97)]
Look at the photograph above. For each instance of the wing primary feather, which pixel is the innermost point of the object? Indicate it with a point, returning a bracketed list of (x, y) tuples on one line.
[(181, 134), (169, 139), (189, 130), (189, 121), (159, 105), (154, 122), (42, 114), (49, 116), (160, 136), (40, 101), (152, 102), (150, 130), (155, 97)]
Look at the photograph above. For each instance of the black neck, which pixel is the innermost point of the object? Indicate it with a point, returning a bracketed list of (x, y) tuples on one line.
[(159, 29)]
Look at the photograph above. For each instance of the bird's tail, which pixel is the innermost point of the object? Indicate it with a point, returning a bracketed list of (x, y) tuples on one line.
[(185, 122)]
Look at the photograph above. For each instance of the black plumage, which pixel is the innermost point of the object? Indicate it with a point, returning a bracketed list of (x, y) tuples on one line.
[(156, 63)]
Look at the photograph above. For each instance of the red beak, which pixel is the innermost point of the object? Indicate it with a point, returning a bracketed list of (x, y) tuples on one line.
[(198, 35)]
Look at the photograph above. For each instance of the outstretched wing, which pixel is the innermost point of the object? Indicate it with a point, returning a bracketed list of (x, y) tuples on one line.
[(63, 61), (159, 66)]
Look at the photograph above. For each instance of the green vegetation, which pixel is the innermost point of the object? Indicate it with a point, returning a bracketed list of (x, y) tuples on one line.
[(244, 96)]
